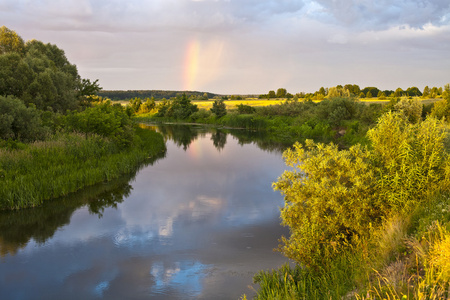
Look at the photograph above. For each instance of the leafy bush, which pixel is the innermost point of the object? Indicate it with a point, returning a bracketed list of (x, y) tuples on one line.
[(333, 198), (107, 120), (245, 109), (19, 122)]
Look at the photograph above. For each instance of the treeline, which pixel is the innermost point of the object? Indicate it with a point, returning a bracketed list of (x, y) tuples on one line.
[(56, 135), (339, 117), (156, 94), (355, 91)]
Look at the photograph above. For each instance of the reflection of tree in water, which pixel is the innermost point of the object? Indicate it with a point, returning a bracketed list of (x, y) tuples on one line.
[(219, 139), (262, 139), (41, 223), (182, 135)]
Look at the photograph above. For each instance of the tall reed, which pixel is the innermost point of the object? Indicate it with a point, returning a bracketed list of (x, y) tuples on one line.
[(69, 162)]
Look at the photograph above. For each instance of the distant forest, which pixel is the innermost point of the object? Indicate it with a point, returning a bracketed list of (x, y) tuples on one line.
[(157, 94)]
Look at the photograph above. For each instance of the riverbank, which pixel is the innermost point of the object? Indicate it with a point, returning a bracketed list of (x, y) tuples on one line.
[(68, 162)]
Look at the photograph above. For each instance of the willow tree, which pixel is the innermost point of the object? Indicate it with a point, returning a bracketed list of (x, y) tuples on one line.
[(333, 198)]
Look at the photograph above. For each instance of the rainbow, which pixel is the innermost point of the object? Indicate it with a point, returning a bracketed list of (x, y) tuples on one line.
[(195, 150), (191, 65)]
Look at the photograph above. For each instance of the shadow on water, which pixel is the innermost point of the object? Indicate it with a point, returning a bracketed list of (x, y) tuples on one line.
[(17, 228)]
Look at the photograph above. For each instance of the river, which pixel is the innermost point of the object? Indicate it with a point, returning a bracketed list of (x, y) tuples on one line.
[(197, 223)]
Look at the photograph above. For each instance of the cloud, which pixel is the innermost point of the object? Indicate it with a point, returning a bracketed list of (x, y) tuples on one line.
[(245, 46), (382, 14)]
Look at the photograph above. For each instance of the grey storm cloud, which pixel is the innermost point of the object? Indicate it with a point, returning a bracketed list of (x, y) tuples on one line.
[(138, 15), (382, 14)]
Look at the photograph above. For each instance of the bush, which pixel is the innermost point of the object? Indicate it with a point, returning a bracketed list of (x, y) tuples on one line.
[(245, 109), (333, 198), (104, 119), (19, 122)]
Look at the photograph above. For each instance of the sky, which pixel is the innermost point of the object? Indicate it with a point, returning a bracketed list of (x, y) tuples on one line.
[(243, 46)]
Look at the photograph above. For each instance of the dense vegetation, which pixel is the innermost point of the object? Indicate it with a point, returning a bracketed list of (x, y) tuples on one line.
[(56, 136), (368, 222), (369, 213)]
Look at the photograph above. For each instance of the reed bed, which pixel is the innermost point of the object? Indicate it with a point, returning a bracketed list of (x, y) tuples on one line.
[(69, 162)]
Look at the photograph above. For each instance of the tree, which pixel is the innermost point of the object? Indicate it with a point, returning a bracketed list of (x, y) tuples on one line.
[(322, 91), (86, 89), (338, 92), (19, 122), (219, 108), (410, 109), (353, 89), (333, 198), (245, 109), (399, 92), (441, 109), (369, 94), (104, 119), (10, 41), (373, 91), (426, 92), (413, 91), (329, 200), (271, 94), (281, 93), (147, 106)]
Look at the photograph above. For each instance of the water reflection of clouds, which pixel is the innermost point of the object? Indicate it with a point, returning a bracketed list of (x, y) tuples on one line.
[(182, 218), (183, 276)]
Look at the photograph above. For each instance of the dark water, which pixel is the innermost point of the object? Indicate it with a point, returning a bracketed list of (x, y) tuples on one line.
[(196, 224)]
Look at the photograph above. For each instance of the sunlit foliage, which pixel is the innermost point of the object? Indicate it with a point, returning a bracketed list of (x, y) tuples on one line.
[(334, 197)]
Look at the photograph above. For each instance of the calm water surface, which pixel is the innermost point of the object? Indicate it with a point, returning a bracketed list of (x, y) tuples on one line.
[(196, 224)]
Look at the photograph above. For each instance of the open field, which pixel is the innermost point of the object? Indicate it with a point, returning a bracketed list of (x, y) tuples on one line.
[(231, 104)]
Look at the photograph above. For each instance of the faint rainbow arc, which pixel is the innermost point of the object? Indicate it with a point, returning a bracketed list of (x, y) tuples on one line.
[(191, 64)]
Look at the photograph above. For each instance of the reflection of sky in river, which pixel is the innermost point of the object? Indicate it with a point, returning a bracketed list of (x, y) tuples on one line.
[(196, 212)]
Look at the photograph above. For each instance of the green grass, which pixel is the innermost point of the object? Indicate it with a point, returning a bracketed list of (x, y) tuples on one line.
[(67, 163)]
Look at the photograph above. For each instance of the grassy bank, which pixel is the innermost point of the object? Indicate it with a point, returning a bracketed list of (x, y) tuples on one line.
[(66, 163)]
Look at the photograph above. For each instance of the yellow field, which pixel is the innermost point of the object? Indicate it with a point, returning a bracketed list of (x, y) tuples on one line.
[(231, 104)]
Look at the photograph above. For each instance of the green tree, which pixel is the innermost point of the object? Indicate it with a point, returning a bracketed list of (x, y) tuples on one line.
[(369, 94), (441, 109), (219, 108), (426, 92), (338, 92), (329, 200), (147, 106), (104, 119), (271, 94), (245, 109), (10, 41), (86, 89), (181, 108), (19, 122), (281, 93), (399, 92), (333, 198), (413, 91), (410, 109)]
